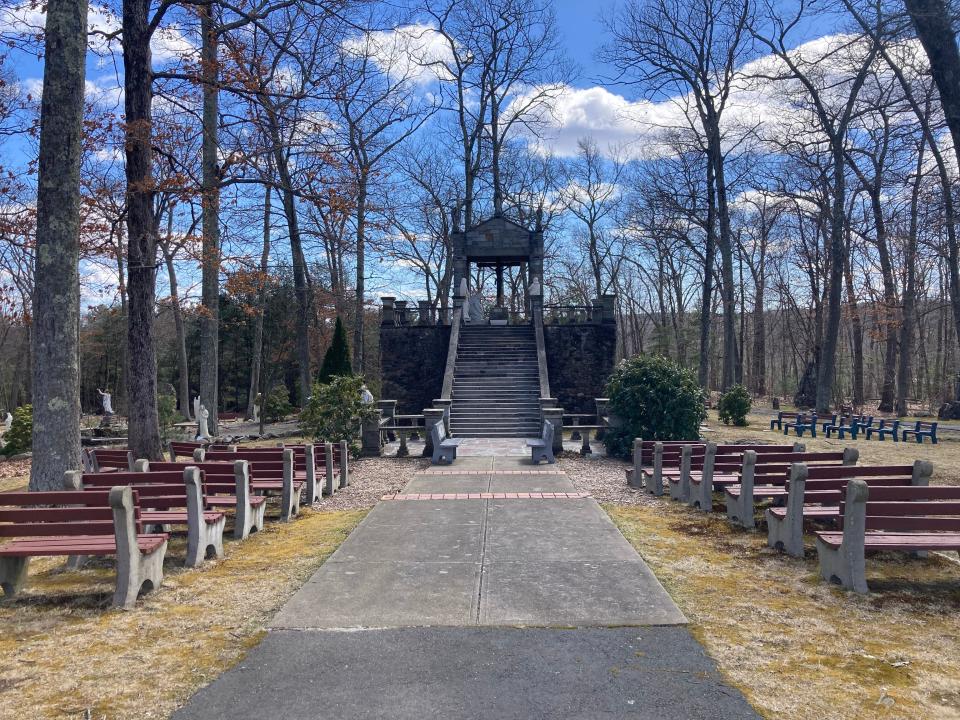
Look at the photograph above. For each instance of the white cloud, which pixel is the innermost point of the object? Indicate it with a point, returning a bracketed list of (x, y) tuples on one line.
[(168, 43), (417, 52)]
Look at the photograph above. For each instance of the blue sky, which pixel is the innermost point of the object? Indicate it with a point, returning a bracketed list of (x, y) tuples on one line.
[(583, 33)]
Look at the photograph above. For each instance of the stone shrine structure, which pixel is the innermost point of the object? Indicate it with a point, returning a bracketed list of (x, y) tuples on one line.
[(499, 371)]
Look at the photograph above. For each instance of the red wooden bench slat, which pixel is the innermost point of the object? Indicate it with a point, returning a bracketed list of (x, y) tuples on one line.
[(900, 540)]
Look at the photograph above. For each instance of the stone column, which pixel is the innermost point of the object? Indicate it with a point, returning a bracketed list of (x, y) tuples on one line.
[(444, 404), (388, 317), (424, 313), (608, 304), (370, 436), (388, 409), (601, 414), (401, 306), (431, 417), (554, 415), (499, 285)]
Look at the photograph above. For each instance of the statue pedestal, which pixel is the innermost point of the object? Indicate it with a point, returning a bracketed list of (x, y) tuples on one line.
[(499, 316)]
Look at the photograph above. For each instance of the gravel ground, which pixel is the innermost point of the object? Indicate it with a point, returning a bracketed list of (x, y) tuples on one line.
[(371, 479), (603, 477)]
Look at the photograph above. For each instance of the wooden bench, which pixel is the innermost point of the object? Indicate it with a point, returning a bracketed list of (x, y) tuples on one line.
[(815, 493), (167, 498), (922, 430), (226, 485), (80, 523), (542, 448), (334, 461), (304, 464), (768, 477), (886, 427), (778, 421), (844, 426), (900, 519), (725, 465), (186, 448), (444, 446), (801, 423), (269, 474), (104, 460)]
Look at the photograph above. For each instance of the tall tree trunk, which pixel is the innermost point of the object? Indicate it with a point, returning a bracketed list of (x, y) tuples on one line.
[(828, 357), (706, 305), (361, 214), (261, 307), (908, 314), (725, 242), (144, 426), (856, 333), (888, 313), (56, 295), (183, 365), (210, 187), (301, 280)]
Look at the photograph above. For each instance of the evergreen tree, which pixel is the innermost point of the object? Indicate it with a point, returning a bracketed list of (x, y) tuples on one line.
[(337, 360)]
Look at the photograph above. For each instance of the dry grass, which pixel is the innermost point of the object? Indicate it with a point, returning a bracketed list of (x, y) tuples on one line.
[(945, 456), (800, 648), (63, 652)]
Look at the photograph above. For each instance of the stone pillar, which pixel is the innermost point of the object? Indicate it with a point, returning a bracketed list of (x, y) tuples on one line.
[(601, 414), (424, 313), (388, 317), (370, 436), (596, 311), (388, 409), (499, 285), (444, 404), (609, 310), (431, 416), (401, 307), (554, 415)]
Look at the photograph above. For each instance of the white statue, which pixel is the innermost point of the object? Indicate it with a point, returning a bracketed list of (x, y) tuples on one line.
[(365, 395), (463, 287), (475, 307), (202, 432), (107, 400), (196, 407), (256, 408), (535, 287), (7, 422)]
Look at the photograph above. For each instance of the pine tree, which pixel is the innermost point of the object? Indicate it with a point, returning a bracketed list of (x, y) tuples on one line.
[(337, 360)]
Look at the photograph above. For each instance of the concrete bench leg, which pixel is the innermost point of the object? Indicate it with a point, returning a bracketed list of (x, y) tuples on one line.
[(655, 484), (13, 574), (786, 533), (701, 495), (344, 464), (135, 570), (248, 518), (328, 458), (290, 499), (311, 493), (204, 540), (740, 508), (677, 488), (847, 564)]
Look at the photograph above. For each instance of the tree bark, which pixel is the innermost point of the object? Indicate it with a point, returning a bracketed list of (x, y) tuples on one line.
[(361, 215), (908, 313), (183, 365), (210, 193), (144, 426), (709, 255), (261, 308), (856, 332), (56, 295)]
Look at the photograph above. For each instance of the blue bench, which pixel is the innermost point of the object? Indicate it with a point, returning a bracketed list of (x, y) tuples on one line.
[(922, 430), (777, 422), (886, 427), (844, 426), (801, 423)]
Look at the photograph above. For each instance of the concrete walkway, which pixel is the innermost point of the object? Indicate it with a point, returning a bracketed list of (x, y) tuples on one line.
[(421, 614)]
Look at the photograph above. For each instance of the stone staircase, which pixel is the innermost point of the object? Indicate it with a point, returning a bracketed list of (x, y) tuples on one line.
[(496, 383)]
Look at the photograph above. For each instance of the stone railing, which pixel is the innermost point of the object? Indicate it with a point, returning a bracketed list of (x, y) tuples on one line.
[(600, 311), (403, 313)]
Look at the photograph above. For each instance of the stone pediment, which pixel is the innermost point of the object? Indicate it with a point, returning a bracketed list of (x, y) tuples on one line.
[(498, 227), (498, 238)]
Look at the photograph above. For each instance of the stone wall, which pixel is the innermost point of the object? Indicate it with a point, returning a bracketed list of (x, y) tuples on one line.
[(580, 359), (412, 361)]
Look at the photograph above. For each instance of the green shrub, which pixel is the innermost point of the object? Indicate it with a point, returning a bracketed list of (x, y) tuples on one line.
[(734, 405), (335, 411), (336, 361), (653, 398), (19, 439), (277, 404)]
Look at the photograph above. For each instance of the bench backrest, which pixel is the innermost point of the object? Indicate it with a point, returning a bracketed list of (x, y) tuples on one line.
[(266, 454), (925, 426), (547, 436), (219, 478), (438, 432), (319, 452), (102, 458), (158, 490), (934, 508), (59, 512), (263, 466)]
